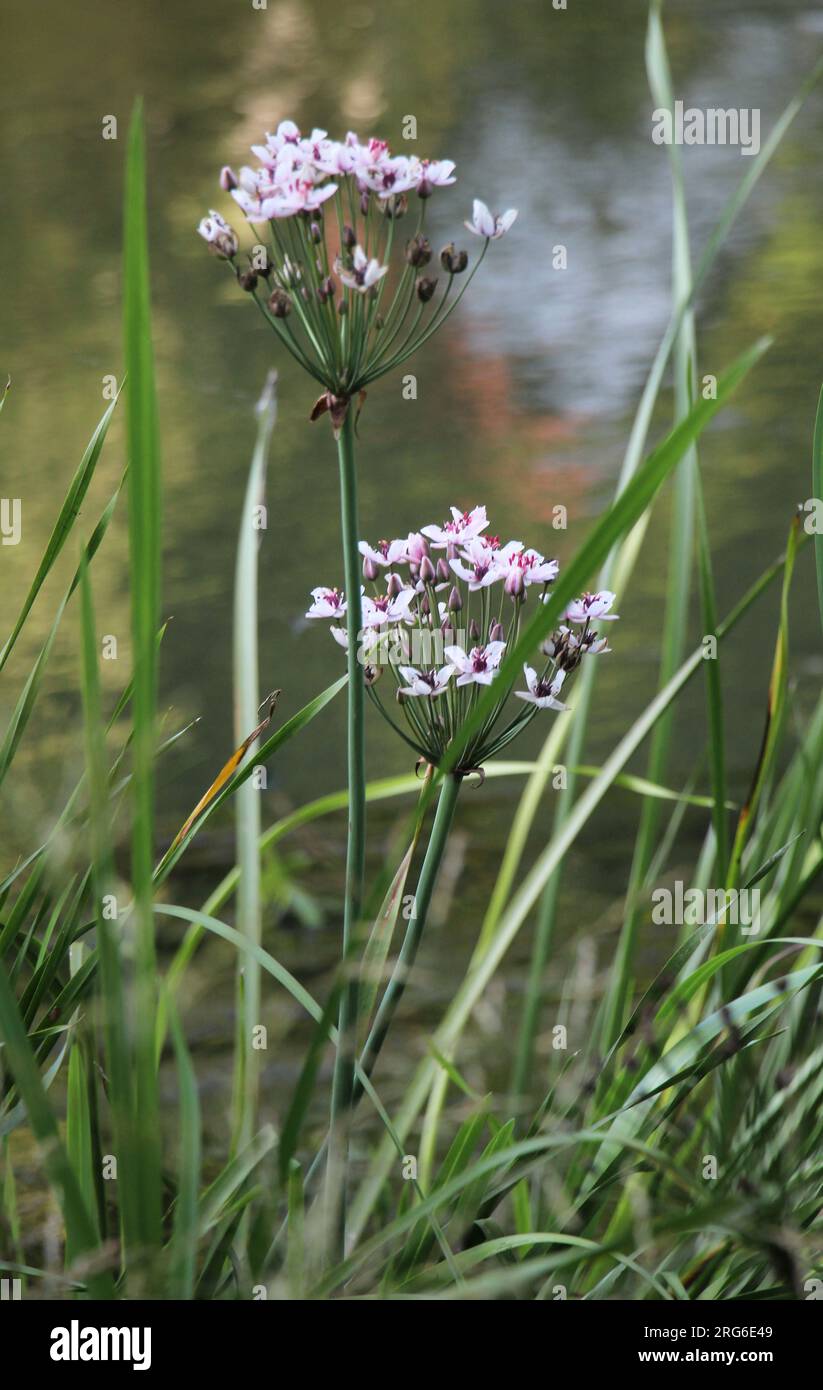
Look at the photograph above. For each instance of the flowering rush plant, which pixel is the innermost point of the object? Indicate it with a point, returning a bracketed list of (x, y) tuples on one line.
[(345, 275), (347, 293), (439, 608)]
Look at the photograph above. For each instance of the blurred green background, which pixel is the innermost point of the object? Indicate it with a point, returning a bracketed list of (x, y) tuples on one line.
[(524, 401)]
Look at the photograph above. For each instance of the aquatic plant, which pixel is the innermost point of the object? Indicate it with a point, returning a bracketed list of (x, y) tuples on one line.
[(330, 210)]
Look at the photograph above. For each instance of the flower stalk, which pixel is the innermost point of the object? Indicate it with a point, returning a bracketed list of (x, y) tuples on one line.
[(435, 850), (343, 1076)]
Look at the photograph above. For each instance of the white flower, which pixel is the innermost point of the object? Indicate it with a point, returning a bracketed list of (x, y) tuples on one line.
[(388, 608), (464, 526), (216, 231), (428, 683), (478, 565), (328, 603), (528, 563), (434, 173), (479, 665), (541, 693), (401, 551), (590, 606), (486, 224), (364, 272)]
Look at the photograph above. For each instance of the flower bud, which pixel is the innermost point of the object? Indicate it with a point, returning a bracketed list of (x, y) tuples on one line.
[(396, 206), (455, 600), (370, 569), (426, 570), (247, 280), (221, 238), (325, 289), (316, 233), (425, 288), (443, 571), (452, 260), (280, 304), (447, 630), (228, 178), (474, 631), (349, 238), (497, 633), (394, 585), (514, 584), (425, 606), (364, 202), (418, 251)]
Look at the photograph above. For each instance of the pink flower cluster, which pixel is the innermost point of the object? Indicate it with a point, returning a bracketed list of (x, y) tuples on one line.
[(298, 173), (431, 617)]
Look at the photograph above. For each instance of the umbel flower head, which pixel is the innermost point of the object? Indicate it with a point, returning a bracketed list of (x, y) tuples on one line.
[(342, 269), (439, 609)]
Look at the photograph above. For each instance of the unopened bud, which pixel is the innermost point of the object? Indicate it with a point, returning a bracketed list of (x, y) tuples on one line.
[(455, 600), (418, 251), (514, 582), (452, 260), (349, 238), (426, 570), (228, 178), (280, 304), (247, 280), (425, 606), (474, 631), (394, 585), (325, 289), (316, 233), (497, 633), (370, 569), (443, 570), (395, 207), (364, 202), (425, 288)]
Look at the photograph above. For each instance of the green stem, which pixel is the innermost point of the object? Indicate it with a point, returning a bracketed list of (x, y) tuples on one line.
[(343, 1078), (422, 898)]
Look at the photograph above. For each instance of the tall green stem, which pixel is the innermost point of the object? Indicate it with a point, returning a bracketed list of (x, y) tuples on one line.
[(343, 1079), (422, 898)]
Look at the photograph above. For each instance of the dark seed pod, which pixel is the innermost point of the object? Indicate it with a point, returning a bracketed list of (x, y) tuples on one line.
[(418, 251), (452, 260), (280, 304), (247, 280), (425, 288), (349, 238)]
